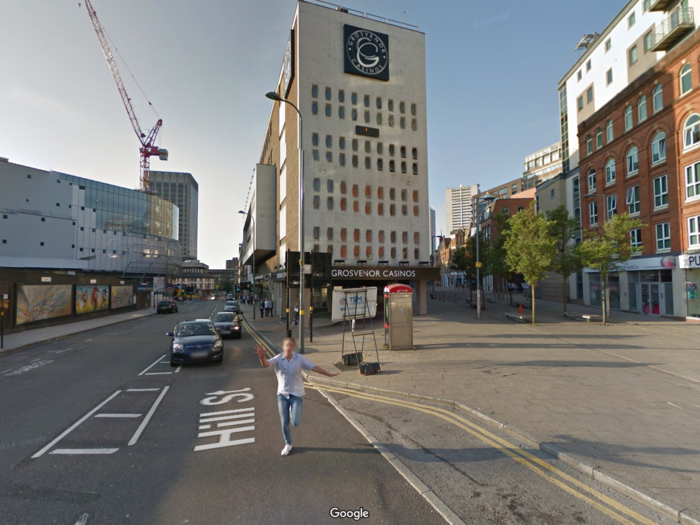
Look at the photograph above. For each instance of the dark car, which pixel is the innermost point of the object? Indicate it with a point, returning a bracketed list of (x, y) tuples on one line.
[(195, 342), (228, 324), (166, 307)]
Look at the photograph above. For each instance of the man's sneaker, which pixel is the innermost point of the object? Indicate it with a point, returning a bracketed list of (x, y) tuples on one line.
[(286, 450)]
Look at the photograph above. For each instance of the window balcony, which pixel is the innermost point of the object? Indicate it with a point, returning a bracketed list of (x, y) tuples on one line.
[(672, 28), (660, 5)]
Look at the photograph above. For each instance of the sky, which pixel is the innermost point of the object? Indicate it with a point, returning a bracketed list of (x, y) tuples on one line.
[(492, 74)]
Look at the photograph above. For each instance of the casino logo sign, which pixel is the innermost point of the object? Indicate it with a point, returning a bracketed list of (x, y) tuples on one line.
[(366, 53)]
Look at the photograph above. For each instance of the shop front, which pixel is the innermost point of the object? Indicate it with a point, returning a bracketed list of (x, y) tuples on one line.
[(690, 264)]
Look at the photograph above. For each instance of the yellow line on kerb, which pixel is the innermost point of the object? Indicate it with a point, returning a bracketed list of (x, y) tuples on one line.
[(525, 458)]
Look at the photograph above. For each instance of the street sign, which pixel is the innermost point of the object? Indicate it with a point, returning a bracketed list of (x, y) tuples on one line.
[(478, 264), (159, 284)]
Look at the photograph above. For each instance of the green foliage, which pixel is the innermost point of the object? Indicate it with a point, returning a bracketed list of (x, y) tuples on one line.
[(568, 258), (497, 265)]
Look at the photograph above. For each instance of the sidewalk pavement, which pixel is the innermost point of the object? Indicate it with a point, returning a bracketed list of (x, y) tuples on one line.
[(624, 397), (39, 335)]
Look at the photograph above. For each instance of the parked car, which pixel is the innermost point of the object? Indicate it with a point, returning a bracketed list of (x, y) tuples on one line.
[(232, 306), (228, 324), (195, 341), (166, 307)]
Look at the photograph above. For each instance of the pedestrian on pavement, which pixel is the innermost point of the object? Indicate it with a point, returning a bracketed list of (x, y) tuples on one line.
[(262, 308), (269, 308), (290, 384)]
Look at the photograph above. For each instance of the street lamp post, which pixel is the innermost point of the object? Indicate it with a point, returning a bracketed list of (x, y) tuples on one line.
[(487, 199), (255, 235), (274, 96)]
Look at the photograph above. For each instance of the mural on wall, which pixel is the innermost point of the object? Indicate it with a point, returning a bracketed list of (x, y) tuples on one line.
[(122, 296), (36, 302), (91, 298)]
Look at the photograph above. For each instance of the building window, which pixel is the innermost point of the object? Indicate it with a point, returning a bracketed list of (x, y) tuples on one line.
[(580, 103), (393, 237), (631, 20), (368, 146), (343, 251), (642, 109), (593, 212), (393, 253), (609, 136), (380, 209), (598, 138), (341, 112), (317, 202), (380, 192), (633, 200), (341, 159), (341, 96), (694, 232), (379, 102), (329, 203), (608, 45), (692, 181), (391, 121), (579, 75), (403, 167), (391, 150), (686, 79), (356, 252), (402, 122), (392, 165), (368, 163), (611, 206), (416, 211), (415, 195), (691, 132), (355, 190), (588, 66), (353, 98), (629, 118), (341, 142), (589, 145), (414, 124), (658, 98), (316, 155), (636, 238), (314, 107), (343, 187), (415, 168), (392, 210), (633, 55), (314, 139), (632, 161), (354, 161), (329, 156), (414, 153), (608, 77), (589, 95), (356, 206), (663, 237), (404, 210), (658, 148), (380, 164), (317, 233), (402, 107), (366, 117), (329, 95), (366, 100), (610, 173), (647, 42), (317, 184), (314, 91), (343, 204), (329, 110), (404, 195), (355, 145), (354, 114), (661, 192), (392, 194), (343, 234)]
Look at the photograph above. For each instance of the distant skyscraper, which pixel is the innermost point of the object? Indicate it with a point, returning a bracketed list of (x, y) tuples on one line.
[(181, 189), (432, 231), (458, 202)]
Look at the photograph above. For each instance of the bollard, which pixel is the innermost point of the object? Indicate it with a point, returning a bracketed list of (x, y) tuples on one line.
[(311, 324)]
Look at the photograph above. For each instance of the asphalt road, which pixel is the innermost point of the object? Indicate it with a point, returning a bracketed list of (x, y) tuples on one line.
[(99, 428)]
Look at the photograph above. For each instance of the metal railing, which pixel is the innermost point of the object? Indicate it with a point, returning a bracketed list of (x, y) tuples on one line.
[(679, 18)]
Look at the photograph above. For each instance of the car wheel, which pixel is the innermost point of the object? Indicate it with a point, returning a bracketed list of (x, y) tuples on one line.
[(173, 364)]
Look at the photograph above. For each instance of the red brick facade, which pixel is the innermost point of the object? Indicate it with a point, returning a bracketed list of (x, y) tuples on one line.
[(668, 119)]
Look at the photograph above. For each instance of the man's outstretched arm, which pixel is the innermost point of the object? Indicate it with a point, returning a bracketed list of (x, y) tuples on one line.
[(260, 351), (321, 371)]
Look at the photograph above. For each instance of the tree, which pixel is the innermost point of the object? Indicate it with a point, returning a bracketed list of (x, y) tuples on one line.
[(530, 247), (603, 250), (464, 260), (567, 256), (227, 286)]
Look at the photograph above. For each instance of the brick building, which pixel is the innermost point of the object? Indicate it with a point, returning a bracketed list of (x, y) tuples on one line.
[(640, 153)]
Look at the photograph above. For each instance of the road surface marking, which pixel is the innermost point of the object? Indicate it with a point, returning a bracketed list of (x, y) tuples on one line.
[(75, 425), (152, 365), (143, 389), (673, 405), (8, 370), (158, 373), (235, 411), (82, 520), (224, 418), (148, 417), (233, 423), (118, 415), (525, 458), (178, 369), (81, 451)]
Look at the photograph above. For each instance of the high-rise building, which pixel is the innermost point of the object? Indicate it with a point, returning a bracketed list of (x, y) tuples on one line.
[(182, 190), (542, 165), (360, 86), (432, 231), (459, 206)]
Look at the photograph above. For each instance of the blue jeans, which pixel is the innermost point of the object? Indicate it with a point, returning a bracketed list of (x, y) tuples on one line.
[(290, 412)]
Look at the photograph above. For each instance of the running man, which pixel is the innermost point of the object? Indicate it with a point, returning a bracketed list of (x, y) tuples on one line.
[(290, 384)]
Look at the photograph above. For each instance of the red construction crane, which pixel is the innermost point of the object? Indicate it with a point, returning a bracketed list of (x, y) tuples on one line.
[(148, 149)]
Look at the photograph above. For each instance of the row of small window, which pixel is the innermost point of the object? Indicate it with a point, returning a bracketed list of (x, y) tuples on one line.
[(381, 252), (330, 204), (391, 121), (660, 185), (642, 114), (658, 155), (368, 146), (368, 162), (357, 234), (366, 99), (663, 230), (330, 186)]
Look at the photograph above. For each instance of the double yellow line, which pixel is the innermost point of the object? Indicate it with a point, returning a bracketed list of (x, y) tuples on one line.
[(605, 504), (253, 333)]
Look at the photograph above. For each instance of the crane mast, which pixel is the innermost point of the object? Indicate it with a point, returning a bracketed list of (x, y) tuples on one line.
[(148, 149)]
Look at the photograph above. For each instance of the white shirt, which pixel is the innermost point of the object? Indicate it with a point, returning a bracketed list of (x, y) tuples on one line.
[(289, 378)]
